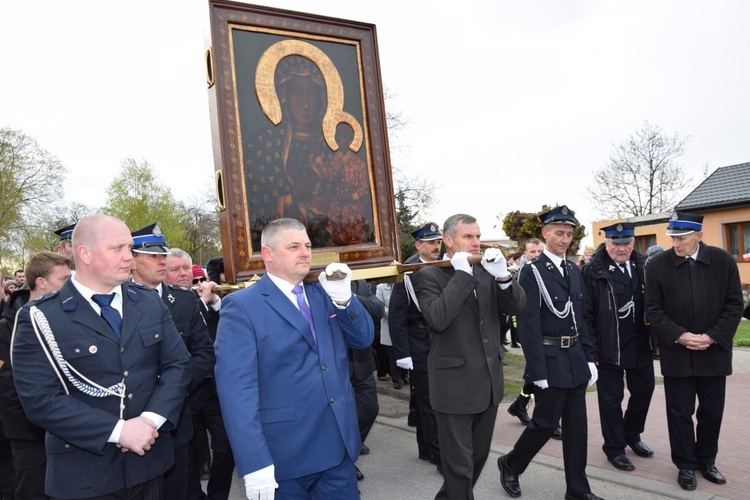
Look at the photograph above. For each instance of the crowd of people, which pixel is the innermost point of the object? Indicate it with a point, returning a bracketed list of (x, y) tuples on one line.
[(118, 360)]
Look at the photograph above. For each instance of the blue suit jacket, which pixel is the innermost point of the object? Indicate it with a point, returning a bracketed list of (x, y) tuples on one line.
[(150, 357), (285, 400)]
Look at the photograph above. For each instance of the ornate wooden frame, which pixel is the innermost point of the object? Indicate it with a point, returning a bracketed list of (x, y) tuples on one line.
[(248, 43)]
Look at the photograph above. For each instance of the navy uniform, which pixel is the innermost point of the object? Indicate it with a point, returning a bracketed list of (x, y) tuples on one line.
[(411, 339), (148, 357), (559, 355), (184, 307), (615, 320)]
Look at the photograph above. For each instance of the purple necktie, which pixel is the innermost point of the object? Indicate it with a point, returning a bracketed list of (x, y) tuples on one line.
[(304, 308)]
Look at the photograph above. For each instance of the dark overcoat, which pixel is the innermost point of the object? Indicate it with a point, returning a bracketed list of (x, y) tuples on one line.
[(704, 296)]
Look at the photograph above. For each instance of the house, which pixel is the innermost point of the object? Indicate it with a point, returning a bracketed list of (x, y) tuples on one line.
[(724, 201)]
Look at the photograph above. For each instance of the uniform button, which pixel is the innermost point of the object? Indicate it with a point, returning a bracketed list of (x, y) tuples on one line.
[(481, 322), (122, 350), (332, 400), (76, 350), (486, 340), (489, 359), (66, 445), (180, 334), (156, 336), (125, 373), (323, 367), (130, 396)]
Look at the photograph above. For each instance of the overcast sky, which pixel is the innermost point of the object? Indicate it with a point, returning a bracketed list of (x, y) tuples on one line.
[(513, 104)]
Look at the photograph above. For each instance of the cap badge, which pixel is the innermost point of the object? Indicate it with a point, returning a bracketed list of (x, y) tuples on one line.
[(564, 210), (674, 216), (619, 228), (157, 231), (433, 228)]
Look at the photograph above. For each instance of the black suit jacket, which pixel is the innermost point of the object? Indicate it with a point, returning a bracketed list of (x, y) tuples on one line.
[(464, 314)]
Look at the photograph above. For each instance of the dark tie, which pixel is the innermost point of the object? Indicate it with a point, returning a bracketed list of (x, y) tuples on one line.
[(109, 313), (304, 308), (565, 271), (624, 268)]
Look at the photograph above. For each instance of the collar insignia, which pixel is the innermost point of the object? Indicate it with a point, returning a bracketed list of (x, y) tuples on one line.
[(611, 268), (170, 298), (550, 266)]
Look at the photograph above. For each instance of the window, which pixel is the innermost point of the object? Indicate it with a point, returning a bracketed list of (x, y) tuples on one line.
[(643, 242), (738, 239)]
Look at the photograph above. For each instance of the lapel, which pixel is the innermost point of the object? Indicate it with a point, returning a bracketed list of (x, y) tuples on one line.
[(276, 299), (552, 270), (83, 313), (132, 312), (484, 289)]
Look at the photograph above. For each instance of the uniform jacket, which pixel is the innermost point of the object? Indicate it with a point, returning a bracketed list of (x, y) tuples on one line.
[(563, 368), (149, 357), (629, 345), (285, 400), (15, 422), (702, 297), (185, 309), (409, 333), (465, 361)]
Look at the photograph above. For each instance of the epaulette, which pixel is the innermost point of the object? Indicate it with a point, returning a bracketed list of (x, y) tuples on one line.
[(180, 287), (46, 296)]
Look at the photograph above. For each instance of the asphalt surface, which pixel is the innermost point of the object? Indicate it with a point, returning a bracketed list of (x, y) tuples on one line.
[(393, 471)]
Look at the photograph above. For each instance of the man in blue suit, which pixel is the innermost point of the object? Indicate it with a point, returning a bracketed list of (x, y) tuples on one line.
[(282, 373), (106, 376)]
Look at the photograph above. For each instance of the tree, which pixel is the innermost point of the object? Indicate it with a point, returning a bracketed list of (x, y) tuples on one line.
[(203, 230), (31, 179), (521, 226), (139, 199), (642, 176)]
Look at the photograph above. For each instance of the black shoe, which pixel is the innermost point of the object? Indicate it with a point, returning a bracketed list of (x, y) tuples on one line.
[(515, 346), (435, 460), (405, 378), (711, 473), (585, 496), (518, 409), (411, 421), (365, 450), (686, 479), (205, 471), (397, 385), (508, 478), (641, 449), (360, 476), (558, 433), (622, 462)]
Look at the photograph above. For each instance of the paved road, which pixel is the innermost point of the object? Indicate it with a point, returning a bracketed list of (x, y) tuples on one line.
[(393, 471)]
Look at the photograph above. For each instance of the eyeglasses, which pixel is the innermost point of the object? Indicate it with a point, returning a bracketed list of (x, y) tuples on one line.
[(198, 280)]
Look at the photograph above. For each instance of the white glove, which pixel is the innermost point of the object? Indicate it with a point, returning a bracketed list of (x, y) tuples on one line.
[(340, 291), (594, 374), (460, 262), (261, 485), (542, 384), (405, 363), (494, 263)]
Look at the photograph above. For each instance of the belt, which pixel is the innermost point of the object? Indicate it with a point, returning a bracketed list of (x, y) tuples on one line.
[(562, 342)]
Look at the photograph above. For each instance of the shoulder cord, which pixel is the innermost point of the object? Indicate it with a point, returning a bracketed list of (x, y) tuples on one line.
[(411, 294), (567, 311), (39, 321), (624, 311)]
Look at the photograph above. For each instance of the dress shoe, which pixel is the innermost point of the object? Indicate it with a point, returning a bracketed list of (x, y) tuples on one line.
[(622, 462), (383, 378), (430, 456), (686, 479), (515, 346), (360, 476), (365, 450), (641, 449), (558, 433), (585, 496), (518, 409), (406, 379), (711, 473), (508, 478), (397, 385)]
